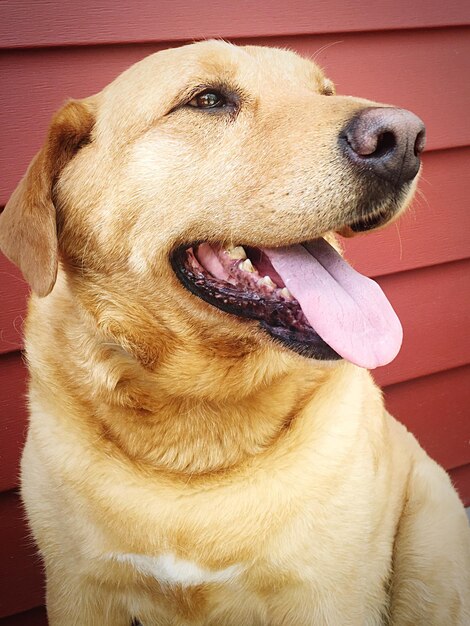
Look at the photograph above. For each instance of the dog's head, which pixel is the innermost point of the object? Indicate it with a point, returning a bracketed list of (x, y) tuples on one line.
[(189, 201)]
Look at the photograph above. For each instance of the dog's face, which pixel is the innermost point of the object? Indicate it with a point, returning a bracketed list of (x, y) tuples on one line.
[(183, 192)]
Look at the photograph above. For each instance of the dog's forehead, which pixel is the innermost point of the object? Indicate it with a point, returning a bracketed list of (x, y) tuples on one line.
[(219, 60), (252, 64), (285, 65)]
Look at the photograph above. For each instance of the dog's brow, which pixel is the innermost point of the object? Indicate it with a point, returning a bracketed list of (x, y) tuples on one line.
[(187, 93)]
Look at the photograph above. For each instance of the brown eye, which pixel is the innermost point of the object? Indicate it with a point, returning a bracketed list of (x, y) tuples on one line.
[(208, 100)]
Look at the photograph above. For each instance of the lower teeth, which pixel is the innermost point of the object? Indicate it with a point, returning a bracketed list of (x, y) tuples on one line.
[(267, 282), (247, 266)]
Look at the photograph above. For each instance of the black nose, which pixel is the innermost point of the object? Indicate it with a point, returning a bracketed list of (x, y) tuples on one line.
[(385, 141)]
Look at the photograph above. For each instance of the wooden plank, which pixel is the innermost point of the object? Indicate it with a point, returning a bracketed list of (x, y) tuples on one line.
[(58, 23), (432, 304), (460, 476), (21, 580), (13, 293), (34, 617), (436, 410), (13, 417), (416, 64), (433, 230)]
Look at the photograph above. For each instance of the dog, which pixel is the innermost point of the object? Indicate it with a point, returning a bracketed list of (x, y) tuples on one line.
[(206, 444)]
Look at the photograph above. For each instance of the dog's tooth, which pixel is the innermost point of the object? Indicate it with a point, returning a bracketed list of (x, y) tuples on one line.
[(238, 253), (266, 280), (285, 293), (247, 266)]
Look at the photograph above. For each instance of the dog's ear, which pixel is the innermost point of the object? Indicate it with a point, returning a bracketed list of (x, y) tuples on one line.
[(28, 227)]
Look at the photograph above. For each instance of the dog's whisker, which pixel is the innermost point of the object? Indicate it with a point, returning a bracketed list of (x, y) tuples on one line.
[(397, 229), (318, 52)]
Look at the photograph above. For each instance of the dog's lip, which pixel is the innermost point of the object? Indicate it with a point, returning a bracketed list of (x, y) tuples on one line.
[(329, 298), (268, 303), (364, 224)]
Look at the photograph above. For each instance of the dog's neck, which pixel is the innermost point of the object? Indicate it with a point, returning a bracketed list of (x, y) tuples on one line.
[(216, 423), (197, 410)]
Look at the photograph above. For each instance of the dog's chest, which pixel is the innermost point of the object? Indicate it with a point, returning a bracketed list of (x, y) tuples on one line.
[(168, 569)]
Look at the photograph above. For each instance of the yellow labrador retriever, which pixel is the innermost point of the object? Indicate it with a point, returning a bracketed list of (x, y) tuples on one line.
[(206, 445)]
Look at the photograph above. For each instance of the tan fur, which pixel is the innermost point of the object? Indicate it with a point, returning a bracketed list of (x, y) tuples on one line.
[(160, 425)]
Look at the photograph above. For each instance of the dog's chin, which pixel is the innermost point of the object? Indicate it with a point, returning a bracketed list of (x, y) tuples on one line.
[(383, 202)]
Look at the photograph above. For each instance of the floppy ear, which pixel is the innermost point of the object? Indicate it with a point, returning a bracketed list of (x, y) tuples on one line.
[(28, 229)]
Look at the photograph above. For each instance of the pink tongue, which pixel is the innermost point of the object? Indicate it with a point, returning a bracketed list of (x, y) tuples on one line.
[(348, 310)]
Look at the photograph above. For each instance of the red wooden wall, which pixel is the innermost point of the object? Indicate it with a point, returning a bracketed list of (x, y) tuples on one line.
[(414, 54)]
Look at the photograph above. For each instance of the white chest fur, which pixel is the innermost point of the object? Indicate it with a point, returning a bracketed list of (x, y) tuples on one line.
[(170, 570)]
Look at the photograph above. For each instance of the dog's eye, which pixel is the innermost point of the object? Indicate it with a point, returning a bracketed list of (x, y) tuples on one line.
[(208, 100)]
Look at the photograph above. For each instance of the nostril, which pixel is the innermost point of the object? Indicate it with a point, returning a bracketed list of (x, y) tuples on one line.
[(386, 142), (419, 143), (371, 144)]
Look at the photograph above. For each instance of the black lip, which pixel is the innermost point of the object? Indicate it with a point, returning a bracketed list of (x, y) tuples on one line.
[(371, 222), (381, 205), (251, 306), (314, 347)]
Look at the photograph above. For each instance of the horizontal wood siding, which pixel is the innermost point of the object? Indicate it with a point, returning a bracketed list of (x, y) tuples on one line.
[(13, 417), (21, 586), (34, 617), (13, 297), (432, 304), (67, 22), (412, 54), (460, 477), (435, 409)]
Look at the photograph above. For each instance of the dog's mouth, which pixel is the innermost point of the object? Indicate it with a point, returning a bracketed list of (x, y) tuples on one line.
[(305, 296)]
